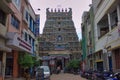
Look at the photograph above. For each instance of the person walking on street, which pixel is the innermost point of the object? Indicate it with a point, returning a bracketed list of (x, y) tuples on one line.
[(58, 69)]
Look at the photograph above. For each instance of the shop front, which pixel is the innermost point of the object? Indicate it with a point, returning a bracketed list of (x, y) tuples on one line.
[(18, 46), (116, 60), (3, 50), (99, 65)]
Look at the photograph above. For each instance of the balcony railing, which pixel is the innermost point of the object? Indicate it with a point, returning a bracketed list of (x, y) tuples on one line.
[(103, 32)]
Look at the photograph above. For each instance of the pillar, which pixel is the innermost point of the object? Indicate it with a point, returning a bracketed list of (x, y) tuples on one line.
[(105, 60), (4, 65), (118, 13), (15, 64), (63, 63), (109, 21)]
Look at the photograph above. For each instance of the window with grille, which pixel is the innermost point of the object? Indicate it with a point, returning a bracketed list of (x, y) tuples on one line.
[(59, 38), (26, 15), (2, 17), (26, 36), (114, 19), (15, 22)]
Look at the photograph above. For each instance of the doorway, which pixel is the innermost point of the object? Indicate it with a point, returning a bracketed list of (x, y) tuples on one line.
[(9, 67), (59, 63), (100, 66), (110, 63)]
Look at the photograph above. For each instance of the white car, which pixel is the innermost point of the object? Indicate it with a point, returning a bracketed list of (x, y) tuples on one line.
[(46, 72)]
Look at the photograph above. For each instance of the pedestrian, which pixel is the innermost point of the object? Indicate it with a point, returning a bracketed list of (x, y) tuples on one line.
[(58, 69), (26, 74)]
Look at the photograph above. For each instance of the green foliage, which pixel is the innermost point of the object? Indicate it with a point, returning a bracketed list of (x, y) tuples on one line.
[(26, 61), (73, 64), (37, 62)]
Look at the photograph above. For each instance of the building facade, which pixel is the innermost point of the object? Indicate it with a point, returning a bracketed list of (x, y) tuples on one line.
[(19, 26), (60, 41), (107, 34), (37, 33), (106, 17), (87, 27), (4, 13), (84, 40)]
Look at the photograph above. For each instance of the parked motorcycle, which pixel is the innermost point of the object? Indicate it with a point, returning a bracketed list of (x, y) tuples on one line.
[(102, 75), (115, 76), (106, 75)]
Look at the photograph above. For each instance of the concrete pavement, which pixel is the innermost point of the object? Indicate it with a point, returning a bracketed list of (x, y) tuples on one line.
[(14, 79), (60, 76), (66, 76)]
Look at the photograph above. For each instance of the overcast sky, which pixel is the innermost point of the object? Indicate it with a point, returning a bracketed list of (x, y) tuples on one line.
[(78, 7)]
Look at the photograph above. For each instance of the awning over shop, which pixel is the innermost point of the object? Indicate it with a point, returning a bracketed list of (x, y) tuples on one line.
[(100, 60), (45, 58), (59, 52), (61, 56)]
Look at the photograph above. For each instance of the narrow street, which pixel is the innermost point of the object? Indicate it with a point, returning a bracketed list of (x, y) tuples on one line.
[(61, 76), (66, 76), (41, 37)]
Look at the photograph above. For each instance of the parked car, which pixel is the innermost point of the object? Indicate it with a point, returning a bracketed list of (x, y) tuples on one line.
[(46, 72)]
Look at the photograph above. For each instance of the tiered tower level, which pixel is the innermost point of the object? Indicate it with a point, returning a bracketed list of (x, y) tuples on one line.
[(60, 31)]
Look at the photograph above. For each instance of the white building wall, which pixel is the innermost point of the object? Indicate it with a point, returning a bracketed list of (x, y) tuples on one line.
[(115, 38), (111, 39), (102, 10), (95, 4)]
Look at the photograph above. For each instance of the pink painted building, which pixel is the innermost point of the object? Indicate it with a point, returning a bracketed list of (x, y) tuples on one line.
[(20, 34), (4, 12)]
